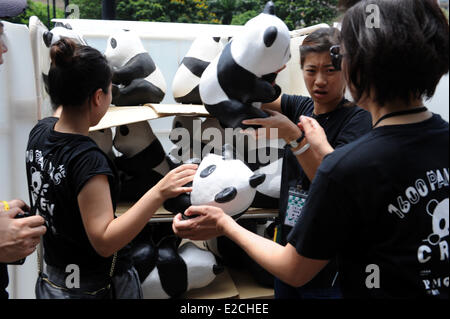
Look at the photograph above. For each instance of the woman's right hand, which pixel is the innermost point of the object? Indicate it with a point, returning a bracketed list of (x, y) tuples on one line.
[(173, 183), (315, 136)]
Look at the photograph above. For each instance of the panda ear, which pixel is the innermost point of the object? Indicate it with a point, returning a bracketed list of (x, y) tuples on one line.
[(59, 24), (270, 35), (217, 39), (256, 180), (47, 37), (269, 8)]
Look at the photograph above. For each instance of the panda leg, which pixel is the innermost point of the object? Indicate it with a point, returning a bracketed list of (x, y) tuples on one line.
[(140, 91)]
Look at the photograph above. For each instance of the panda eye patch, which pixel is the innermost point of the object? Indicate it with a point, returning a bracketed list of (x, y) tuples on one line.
[(226, 195), (113, 43), (208, 171)]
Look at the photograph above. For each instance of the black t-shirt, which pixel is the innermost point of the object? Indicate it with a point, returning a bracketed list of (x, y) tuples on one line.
[(58, 166), (380, 204), (3, 281), (342, 126)]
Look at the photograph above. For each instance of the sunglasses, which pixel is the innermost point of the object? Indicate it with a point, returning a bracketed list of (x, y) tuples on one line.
[(336, 57)]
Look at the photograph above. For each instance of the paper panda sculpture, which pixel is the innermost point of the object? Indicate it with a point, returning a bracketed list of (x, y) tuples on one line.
[(194, 138), (60, 31), (185, 83), (224, 182), (172, 271), (242, 77), (143, 162), (231, 255), (103, 138), (137, 79)]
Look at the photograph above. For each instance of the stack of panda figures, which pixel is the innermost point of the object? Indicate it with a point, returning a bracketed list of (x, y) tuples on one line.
[(187, 78), (167, 270), (136, 78)]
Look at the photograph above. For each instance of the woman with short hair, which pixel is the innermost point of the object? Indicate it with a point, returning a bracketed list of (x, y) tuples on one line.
[(379, 204)]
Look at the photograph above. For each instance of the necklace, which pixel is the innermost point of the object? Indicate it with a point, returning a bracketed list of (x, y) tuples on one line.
[(398, 113)]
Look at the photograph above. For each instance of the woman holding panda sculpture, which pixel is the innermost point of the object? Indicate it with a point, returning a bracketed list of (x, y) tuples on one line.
[(74, 186), (342, 123), (375, 204)]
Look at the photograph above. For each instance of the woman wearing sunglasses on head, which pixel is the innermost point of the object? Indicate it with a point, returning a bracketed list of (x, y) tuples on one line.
[(379, 205), (341, 121)]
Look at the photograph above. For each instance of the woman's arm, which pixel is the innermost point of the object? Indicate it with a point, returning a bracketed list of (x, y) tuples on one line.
[(108, 234), (282, 261), (311, 159)]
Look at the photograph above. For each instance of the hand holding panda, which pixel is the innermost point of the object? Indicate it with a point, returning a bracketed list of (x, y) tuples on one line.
[(243, 76)]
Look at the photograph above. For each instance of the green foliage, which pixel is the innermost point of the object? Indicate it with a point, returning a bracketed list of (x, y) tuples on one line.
[(89, 9), (295, 13), (242, 18), (235, 11), (300, 14), (187, 11), (36, 9)]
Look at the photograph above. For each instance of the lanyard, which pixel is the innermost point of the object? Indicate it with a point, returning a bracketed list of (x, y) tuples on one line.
[(398, 113)]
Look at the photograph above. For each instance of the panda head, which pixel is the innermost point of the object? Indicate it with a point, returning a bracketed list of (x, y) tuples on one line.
[(103, 138), (131, 139), (225, 182), (62, 31), (263, 47), (122, 46)]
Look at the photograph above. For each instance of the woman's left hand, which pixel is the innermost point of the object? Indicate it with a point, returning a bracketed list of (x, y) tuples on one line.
[(284, 127)]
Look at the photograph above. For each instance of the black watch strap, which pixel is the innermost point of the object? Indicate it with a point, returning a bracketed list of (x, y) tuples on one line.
[(296, 143)]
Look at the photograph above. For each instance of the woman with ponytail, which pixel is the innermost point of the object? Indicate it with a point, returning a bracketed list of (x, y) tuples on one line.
[(74, 186)]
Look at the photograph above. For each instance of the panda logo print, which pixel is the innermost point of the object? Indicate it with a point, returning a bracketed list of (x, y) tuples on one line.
[(435, 246), (42, 173), (440, 221)]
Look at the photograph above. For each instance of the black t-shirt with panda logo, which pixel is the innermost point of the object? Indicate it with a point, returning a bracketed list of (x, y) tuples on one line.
[(58, 166), (381, 206), (342, 126)]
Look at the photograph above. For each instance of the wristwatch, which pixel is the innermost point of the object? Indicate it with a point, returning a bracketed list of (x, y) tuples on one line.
[(295, 143)]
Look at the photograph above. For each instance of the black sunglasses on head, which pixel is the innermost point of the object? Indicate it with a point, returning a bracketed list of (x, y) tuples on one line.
[(336, 57)]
